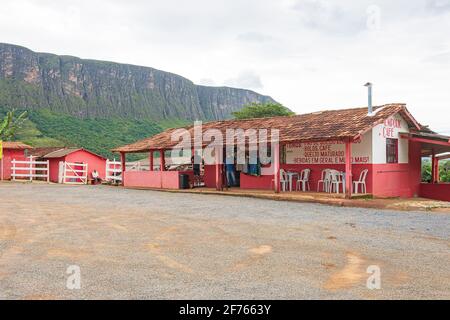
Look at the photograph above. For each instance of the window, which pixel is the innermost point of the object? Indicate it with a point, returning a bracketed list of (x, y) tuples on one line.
[(391, 150)]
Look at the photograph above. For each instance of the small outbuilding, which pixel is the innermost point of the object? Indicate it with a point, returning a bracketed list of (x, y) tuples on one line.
[(71, 165), (12, 151)]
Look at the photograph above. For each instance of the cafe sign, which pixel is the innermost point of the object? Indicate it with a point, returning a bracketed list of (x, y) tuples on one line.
[(325, 152)]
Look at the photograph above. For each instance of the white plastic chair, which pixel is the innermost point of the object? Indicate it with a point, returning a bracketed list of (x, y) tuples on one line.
[(304, 180), (284, 181), (361, 181), (324, 179), (335, 181)]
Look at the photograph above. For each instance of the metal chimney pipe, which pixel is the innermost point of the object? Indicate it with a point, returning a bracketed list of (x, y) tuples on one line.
[(370, 107)]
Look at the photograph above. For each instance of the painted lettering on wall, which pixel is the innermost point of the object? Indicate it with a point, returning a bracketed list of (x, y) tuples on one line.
[(323, 152), (389, 127)]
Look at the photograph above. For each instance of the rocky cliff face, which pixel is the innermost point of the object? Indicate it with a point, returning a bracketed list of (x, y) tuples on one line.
[(88, 88)]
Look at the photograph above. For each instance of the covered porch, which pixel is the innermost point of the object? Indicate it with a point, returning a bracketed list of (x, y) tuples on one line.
[(275, 177), (436, 148)]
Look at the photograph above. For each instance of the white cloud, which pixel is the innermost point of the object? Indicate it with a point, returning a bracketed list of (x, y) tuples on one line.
[(207, 82), (308, 54), (246, 79)]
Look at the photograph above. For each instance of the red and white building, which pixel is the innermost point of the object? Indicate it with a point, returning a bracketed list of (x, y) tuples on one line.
[(389, 142), (78, 159), (12, 151)]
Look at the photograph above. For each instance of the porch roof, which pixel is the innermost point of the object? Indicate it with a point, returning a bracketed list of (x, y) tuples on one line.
[(323, 125), (431, 143)]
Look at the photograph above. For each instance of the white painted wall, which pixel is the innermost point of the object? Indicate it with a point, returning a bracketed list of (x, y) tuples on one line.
[(371, 148), (329, 152), (389, 129)]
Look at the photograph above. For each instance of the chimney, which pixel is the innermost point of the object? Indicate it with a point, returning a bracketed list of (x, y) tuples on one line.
[(369, 106)]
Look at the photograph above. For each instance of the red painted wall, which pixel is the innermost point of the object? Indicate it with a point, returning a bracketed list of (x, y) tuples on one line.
[(391, 180), (155, 179), (415, 168), (144, 179), (399, 179), (5, 163), (383, 180), (254, 182), (54, 169), (94, 163), (210, 176), (265, 182), (437, 191)]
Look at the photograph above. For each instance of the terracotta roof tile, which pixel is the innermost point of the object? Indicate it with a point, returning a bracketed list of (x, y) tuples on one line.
[(57, 152), (15, 145), (323, 125), (41, 152)]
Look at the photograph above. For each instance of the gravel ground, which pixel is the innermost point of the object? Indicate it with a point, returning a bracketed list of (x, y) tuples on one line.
[(135, 244)]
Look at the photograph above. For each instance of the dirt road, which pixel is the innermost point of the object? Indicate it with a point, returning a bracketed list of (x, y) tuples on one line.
[(155, 245)]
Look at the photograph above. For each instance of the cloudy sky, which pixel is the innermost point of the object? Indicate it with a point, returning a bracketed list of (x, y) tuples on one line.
[(307, 54)]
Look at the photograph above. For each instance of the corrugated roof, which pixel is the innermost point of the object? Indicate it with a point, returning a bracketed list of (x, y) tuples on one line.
[(15, 145), (323, 125)]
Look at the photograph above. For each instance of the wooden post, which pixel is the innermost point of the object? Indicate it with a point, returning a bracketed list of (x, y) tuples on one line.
[(434, 168), (48, 171), (162, 158), (13, 169), (276, 166), (151, 160), (218, 164), (31, 168), (123, 165), (348, 169)]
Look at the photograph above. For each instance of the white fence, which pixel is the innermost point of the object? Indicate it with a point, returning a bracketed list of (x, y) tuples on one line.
[(73, 173), (30, 170), (113, 171), (138, 166)]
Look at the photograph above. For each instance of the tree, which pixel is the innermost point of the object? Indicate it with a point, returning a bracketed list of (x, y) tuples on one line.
[(10, 124), (444, 171), (262, 110), (426, 170)]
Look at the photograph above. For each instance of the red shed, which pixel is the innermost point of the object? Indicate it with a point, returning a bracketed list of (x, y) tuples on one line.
[(71, 155), (11, 151)]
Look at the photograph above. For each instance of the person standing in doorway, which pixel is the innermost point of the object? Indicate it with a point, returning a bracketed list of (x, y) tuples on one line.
[(230, 169)]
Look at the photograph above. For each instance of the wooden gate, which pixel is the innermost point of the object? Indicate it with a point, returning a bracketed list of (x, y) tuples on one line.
[(113, 171), (30, 169), (73, 173)]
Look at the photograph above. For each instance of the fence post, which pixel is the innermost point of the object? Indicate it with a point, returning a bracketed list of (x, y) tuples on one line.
[(48, 171), (106, 169), (31, 169), (14, 170)]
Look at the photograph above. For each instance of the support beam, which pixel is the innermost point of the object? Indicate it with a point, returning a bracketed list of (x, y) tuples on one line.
[(276, 166), (348, 169), (150, 163), (162, 158), (443, 157), (123, 163), (434, 168), (218, 164), (425, 140)]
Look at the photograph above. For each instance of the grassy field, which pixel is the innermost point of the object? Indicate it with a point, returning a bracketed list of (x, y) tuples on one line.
[(47, 128)]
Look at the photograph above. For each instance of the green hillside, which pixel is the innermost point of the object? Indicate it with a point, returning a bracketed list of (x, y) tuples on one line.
[(47, 128)]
